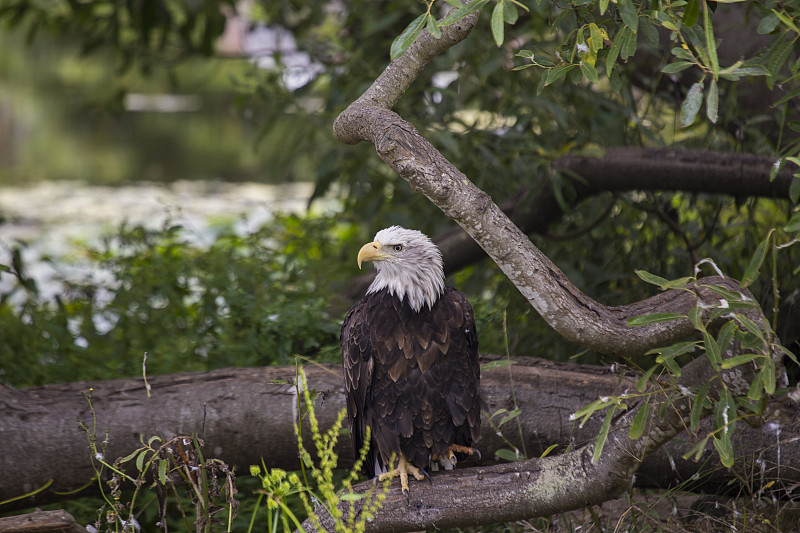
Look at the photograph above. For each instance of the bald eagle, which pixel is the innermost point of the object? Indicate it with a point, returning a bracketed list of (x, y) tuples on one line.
[(410, 360)]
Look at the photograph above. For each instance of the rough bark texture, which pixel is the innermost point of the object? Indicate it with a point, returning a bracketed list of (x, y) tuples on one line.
[(249, 414), (41, 522)]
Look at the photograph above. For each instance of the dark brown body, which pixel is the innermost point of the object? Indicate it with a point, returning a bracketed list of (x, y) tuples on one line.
[(412, 377)]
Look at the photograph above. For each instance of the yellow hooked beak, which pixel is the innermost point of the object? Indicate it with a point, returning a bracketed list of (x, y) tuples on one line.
[(371, 252)]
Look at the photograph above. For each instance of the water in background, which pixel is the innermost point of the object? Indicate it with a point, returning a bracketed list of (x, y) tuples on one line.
[(52, 219)]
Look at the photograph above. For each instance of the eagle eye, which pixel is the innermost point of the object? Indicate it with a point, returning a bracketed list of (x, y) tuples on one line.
[(398, 247)]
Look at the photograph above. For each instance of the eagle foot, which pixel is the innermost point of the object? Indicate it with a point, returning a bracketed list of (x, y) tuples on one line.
[(404, 468), (451, 456)]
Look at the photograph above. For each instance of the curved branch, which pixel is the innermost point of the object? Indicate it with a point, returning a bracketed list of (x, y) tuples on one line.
[(570, 312), (620, 169)]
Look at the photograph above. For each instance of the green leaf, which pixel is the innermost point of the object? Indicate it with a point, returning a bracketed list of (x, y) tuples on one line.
[(768, 24), (794, 195), (589, 72), (463, 11), (739, 360), (548, 450), (711, 44), (691, 13), (654, 318), (639, 421), (672, 366), (433, 28), (677, 66), (162, 471), (603, 6), (682, 53), (641, 384), (769, 375), (629, 44), (697, 450), (140, 460), (596, 38), (725, 294), (603, 436), (712, 102), (787, 20), (508, 455), (649, 31), (696, 318), (753, 328), (756, 387), (404, 40), (674, 350), (510, 416), (725, 413), (510, 13), (130, 456), (556, 73), (725, 450), (651, 278), (725, 336), (776, 59), (735, 72), (712, 349), (613, 52), (669, 25), (691, 105), (794, 222), (754, 266), (698, 405), (629, 15), (497, 23), (791, 95), (585, 412)]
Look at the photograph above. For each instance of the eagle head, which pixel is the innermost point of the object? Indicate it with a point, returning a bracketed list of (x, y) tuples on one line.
[(408, 265)]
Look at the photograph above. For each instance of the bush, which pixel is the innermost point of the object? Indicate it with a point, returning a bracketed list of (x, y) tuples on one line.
[(244, 300)]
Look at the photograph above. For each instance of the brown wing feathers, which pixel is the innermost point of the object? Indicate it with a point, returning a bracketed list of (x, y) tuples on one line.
[(413, 377)]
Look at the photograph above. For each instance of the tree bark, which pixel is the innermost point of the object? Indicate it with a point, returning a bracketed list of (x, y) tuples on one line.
[(41, 522), (247, 414)]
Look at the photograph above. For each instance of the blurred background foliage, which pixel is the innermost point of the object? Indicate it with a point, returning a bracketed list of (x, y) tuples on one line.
[(72, 92)]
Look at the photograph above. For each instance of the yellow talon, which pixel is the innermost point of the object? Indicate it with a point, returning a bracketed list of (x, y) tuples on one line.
[(461, 449), (403, 469)]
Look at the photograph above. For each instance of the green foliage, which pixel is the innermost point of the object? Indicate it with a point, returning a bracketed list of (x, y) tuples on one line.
[(717, 326), (323, 499), (242, 300), (143, 34), (175, 470), (197, 493)]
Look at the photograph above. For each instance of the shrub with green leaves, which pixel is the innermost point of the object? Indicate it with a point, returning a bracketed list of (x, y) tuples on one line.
[(242, 300)]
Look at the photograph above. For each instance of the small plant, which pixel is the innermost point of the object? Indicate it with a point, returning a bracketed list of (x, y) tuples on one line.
[(278, 486), (181, 477), (164, 466)]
